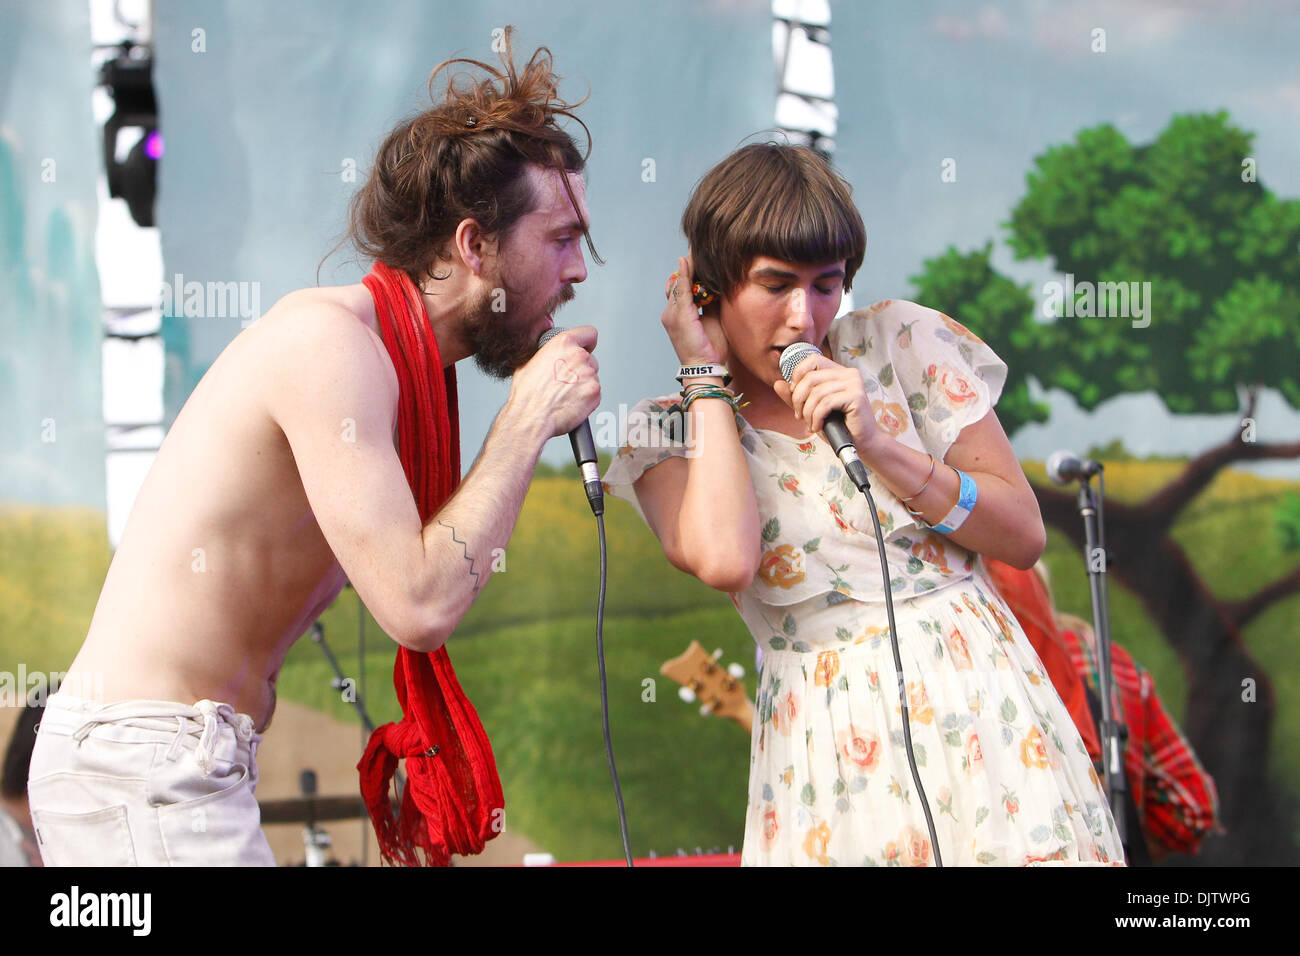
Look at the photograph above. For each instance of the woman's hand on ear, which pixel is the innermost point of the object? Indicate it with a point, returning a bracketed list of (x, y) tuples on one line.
[(698, 340)]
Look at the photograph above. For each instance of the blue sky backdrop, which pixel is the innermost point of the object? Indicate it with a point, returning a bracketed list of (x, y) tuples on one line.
[(262, 123), (51, 419)]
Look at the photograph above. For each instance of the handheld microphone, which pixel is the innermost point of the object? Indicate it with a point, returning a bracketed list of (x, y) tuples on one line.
[(584, 449), (836, 432), (1064, 467)]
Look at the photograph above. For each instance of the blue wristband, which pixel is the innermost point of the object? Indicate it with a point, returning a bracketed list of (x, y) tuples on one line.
[(966, 498)]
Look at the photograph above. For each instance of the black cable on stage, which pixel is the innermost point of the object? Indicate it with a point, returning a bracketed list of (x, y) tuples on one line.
[(865, 488), (361, 691), (584, 455), (604, 692)]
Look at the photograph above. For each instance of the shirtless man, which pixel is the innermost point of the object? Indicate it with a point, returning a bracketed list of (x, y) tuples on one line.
[(279, 480)]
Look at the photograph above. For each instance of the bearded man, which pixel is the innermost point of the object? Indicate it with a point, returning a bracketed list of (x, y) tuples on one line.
[(322, 447)]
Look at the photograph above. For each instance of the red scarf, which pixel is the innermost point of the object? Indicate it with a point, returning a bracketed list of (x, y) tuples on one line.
[(452, 802)]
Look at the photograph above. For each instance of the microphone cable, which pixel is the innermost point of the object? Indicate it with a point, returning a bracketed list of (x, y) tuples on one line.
[(604, 688), (856, 471), (865, 488), (584, 454)]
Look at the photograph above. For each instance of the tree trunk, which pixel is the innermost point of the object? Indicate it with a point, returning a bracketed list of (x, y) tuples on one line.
[(1230, 735)]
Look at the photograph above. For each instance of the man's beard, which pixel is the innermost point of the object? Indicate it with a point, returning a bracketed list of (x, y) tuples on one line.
[(499, 345)]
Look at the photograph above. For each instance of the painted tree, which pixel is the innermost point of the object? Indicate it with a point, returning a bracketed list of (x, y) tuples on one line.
[(1187, 214)]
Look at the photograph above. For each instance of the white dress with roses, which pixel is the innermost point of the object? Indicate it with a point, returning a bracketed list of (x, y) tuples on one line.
[(1004, 771)]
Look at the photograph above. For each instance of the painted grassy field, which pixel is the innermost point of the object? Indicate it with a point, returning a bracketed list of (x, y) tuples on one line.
[(526, 652)]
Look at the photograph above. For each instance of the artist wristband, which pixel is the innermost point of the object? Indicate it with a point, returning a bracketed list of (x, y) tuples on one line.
[(966, 498), (704, 371)]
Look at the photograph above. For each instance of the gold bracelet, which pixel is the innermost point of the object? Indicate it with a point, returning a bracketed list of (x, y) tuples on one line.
[(925, 484)]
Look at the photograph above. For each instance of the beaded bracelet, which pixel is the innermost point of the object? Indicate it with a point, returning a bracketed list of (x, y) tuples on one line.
[(703, 387), (692, 392)]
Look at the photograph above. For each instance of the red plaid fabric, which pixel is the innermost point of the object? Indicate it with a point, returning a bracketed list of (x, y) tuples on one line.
[(1176, 799)]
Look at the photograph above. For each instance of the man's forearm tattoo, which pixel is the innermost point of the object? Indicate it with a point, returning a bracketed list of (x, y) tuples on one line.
[(465, 548)]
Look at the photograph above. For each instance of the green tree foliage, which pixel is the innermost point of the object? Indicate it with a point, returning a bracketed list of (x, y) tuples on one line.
[(1184, 213), (1113, 450)]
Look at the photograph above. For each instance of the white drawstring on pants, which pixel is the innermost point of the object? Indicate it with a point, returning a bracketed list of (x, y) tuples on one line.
[(212, 714)]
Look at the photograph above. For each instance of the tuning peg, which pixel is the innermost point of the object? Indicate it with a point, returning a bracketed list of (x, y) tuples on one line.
[(686, 694), (717, 654), (736, 671), (706, 710)]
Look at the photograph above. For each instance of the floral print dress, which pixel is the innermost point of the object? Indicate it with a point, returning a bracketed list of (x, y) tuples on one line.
[(1004, 772)]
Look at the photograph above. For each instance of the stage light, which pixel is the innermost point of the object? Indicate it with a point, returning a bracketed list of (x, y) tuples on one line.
[(129, 80), (139, 181)]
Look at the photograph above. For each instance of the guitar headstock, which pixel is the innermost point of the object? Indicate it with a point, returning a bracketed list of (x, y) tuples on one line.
[(718, 689)]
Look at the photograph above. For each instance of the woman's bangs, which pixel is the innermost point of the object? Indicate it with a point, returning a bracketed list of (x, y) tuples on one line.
[(807, 229)]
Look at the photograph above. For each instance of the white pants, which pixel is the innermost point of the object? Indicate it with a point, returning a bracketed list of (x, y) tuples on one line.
[(146, 783)]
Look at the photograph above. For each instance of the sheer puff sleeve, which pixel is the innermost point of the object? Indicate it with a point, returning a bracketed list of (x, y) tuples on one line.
[(652, 433), (924, 367)]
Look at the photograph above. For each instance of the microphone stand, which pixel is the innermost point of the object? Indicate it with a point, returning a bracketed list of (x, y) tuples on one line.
[(338, 683), (315, 840), (1095, 544)]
